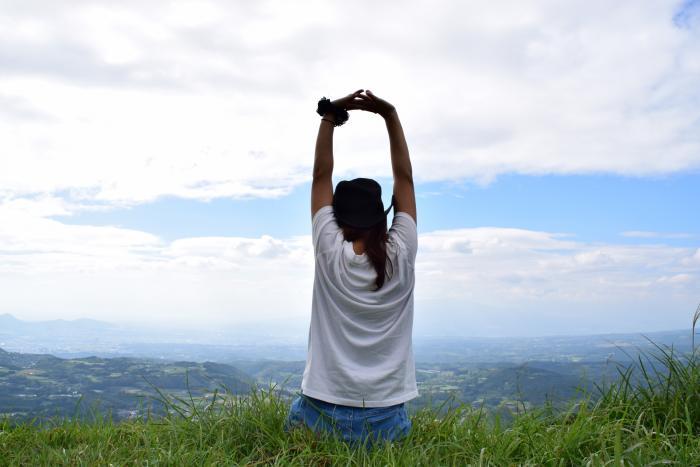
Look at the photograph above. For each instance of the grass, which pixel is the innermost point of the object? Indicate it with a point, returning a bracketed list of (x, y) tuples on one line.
[(649, 416), (696, 317)]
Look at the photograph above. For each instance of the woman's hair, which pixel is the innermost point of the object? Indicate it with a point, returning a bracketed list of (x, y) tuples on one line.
[(374, 239)]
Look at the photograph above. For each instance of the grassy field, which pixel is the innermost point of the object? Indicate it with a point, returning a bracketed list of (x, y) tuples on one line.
[(650, 416)]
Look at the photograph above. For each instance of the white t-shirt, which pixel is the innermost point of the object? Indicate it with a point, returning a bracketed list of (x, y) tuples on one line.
[(360, 350)]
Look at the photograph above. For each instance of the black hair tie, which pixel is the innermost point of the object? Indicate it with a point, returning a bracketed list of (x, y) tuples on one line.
[(325, 105)]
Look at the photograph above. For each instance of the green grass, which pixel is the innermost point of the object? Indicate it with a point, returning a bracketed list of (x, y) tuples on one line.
[(650, 416)]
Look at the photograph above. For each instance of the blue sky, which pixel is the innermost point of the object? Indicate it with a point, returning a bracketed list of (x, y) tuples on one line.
[(593, 208), (156, 158)]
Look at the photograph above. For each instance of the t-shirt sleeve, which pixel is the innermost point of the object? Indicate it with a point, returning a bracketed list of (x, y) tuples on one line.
[(325, 232), (405, 232)]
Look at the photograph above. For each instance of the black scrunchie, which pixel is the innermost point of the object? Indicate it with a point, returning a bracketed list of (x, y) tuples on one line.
[(325, 106)]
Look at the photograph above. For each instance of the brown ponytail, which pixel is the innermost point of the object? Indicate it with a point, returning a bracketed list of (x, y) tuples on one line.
[(374, 239)]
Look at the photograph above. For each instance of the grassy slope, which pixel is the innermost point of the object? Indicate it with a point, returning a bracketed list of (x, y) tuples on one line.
[(657, 420)]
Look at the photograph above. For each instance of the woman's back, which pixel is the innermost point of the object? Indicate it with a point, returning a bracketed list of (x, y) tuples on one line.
[(360, 350)]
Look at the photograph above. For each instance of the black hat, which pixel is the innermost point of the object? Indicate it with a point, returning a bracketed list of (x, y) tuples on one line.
[(358, 203)]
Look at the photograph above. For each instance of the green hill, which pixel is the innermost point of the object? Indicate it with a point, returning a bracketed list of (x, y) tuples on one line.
[(650, 418), (38, 385)]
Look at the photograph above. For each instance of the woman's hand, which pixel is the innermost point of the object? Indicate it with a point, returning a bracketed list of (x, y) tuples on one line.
[(368, 102), (348, 102), (371, 103)]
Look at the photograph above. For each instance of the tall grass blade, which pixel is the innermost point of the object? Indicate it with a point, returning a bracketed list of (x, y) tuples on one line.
[(696, 317)]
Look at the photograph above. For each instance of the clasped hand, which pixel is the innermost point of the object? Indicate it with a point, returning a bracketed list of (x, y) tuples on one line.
[(368, 102)]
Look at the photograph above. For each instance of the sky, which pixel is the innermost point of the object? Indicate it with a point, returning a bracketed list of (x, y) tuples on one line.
[(155, 159)]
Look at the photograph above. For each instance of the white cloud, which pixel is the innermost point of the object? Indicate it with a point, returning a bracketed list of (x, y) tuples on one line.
[(469, 281), (125, 103), (646, 234), (31, 243), (695, 259), (678, 278)]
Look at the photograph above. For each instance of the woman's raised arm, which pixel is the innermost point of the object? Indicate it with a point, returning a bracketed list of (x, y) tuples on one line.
[(322, 183), (404, 193)]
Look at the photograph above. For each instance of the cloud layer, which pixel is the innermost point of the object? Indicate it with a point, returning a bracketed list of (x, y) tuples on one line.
[(469, 281), (127, 102)]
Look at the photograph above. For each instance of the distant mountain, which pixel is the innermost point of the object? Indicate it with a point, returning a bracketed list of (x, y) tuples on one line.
[(10, 325)]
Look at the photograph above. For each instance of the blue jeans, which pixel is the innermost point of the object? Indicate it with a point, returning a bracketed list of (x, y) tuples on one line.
[(353, 424)]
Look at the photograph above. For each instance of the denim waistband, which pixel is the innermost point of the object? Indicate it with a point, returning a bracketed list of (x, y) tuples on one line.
[(329, 405)]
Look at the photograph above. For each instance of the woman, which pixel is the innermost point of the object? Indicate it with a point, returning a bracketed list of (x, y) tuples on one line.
[(360, 368)]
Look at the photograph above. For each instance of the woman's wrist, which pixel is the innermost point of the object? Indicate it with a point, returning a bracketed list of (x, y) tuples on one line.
[(391, 114), (329, 116)]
